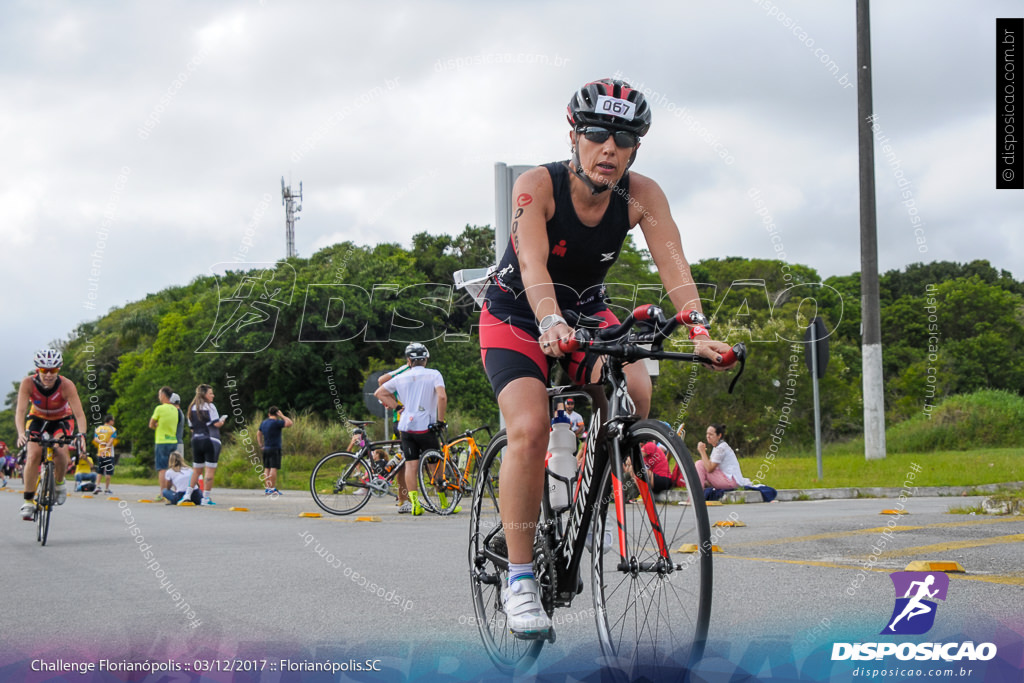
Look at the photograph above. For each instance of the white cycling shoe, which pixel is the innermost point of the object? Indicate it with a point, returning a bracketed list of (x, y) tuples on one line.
[(61, 490), (524, 612), (28, 511)]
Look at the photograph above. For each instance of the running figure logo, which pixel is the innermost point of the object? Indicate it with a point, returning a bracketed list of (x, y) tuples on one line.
[(247, 316), (914, 612)]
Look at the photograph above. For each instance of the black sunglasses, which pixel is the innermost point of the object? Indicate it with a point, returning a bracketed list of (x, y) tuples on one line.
[(623, 138)]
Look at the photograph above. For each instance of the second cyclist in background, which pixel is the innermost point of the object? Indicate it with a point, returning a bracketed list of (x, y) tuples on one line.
[(49, 401)]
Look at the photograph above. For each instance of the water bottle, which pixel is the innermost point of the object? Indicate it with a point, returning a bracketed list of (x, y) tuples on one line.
[(392, 463), (561, 461)]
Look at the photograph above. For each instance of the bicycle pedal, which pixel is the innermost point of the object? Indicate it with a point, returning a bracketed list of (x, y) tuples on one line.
[(538, 635)]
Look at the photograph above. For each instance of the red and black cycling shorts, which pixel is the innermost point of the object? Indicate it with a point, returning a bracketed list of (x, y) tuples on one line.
[(510, 348), (35, 426)]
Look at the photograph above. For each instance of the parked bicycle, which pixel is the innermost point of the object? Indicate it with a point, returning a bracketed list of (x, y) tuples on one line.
[(447, 474), (343, 482), (46, 489), (652, 600)]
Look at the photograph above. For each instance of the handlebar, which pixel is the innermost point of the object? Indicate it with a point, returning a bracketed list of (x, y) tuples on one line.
[(470, 432), (65, 440), (620, 341)]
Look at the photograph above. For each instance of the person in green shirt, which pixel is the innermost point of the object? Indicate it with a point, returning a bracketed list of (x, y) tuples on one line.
[(165, 422)]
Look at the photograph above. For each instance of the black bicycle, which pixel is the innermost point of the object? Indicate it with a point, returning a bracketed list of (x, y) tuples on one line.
[(343, 482), (650, 561), (46, 488)]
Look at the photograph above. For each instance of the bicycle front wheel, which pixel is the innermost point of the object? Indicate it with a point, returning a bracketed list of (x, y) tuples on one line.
[(340, 483), (439, 482), (653, 605), (48, 496), (488, 567)]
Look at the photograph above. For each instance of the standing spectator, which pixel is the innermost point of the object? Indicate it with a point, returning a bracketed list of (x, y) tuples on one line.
[(180, 434), (422, 393), (10, 465), (575, 419), (165, 421), (3, 462), (269, 438), (105, 439), (205, 422), (722, 469)]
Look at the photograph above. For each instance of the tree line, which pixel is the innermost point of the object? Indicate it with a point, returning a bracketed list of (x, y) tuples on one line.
[(305, 333)]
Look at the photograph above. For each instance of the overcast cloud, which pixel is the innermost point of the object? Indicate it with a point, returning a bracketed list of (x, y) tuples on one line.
[(143, 138)]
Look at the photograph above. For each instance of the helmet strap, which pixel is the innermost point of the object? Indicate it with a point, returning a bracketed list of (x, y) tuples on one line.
[(593, 187)]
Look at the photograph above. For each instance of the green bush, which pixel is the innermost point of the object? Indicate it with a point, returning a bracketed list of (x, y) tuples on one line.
[(990, 418)]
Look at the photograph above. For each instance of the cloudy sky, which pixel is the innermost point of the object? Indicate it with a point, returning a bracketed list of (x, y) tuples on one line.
[(142, 142)]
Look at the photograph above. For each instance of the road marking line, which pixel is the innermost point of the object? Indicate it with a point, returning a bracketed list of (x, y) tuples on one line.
[(937, 548), (857, 532), (819, 537), (992, 578)]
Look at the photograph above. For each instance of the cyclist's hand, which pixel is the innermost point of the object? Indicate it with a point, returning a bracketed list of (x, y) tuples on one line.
[(80, 439), (549, 340), (712, 350), (438, 427), (22, 439)]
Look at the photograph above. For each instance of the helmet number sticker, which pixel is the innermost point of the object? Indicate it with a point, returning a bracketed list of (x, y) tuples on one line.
[(615, 107)]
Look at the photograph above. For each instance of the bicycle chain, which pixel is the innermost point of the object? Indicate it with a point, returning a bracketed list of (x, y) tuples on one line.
[(545, 567)]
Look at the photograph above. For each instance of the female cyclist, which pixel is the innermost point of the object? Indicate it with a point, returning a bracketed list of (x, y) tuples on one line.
[(50, 400), (569, 221)]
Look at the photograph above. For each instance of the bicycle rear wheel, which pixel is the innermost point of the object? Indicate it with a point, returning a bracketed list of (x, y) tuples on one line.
[(48, 495), (488, 567), (340, 483), (653, 613), (439, 483)]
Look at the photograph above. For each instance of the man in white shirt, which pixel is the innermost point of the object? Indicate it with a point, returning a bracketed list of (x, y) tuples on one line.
[(575, 419), (421, 391)]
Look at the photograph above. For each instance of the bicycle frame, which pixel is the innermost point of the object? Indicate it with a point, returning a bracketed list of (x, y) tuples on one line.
[(471, 459), (572, 541)]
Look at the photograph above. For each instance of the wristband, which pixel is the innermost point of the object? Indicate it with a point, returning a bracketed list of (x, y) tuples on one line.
[(698, 329), (549, 321)]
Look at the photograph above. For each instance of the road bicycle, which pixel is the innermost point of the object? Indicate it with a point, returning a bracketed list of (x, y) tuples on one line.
[(651, 581), (343, 482), (46, 488), (446, 475)]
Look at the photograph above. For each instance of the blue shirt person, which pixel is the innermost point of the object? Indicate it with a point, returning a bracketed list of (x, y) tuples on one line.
[(269, 439)]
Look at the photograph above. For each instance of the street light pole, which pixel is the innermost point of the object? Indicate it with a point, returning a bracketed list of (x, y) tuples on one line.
[(871, 325)]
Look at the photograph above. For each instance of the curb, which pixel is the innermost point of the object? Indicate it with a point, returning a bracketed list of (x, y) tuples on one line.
[(679, 495)]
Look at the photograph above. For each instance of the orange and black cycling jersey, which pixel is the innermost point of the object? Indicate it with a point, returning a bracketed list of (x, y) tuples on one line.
[(48, 404)]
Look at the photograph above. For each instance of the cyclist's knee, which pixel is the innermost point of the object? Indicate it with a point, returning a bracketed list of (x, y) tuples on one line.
[(528, 433)]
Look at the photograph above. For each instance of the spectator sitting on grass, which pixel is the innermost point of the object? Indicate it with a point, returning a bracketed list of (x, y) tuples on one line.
[(722, 469), (178, 477)]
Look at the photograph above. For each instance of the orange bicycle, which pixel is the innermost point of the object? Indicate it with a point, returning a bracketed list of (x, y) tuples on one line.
[(447, 474)]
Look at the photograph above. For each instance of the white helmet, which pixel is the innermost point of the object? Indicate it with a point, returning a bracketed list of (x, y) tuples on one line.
[(49, 358), (416, 351)]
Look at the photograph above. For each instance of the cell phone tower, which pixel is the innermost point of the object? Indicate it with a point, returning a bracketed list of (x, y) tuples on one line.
[(291, 207)]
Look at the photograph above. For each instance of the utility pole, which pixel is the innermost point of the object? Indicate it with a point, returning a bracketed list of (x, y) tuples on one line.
[(288, 200), (871, 324)]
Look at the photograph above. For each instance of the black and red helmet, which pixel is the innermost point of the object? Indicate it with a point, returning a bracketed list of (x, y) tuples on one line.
[(610, 103)]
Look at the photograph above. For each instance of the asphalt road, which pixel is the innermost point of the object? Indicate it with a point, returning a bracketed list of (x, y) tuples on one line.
[(128, 581)]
